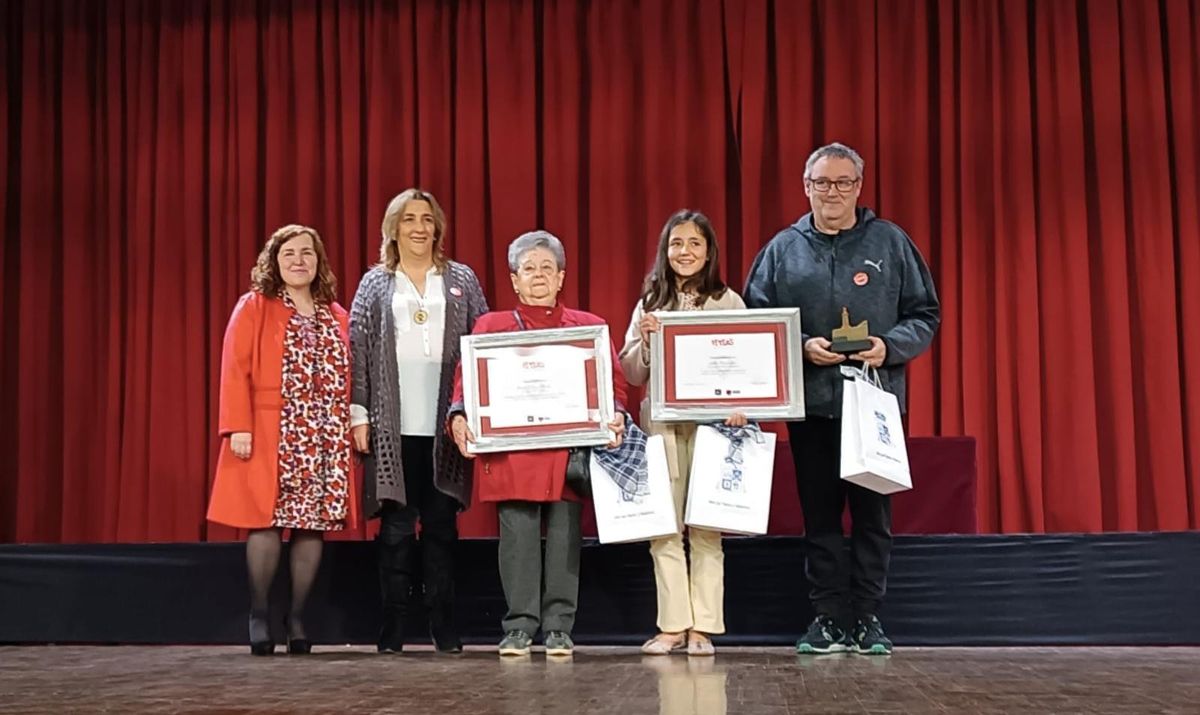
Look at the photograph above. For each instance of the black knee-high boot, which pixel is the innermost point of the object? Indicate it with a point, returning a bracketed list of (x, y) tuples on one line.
[(437, 551), (395, 585)]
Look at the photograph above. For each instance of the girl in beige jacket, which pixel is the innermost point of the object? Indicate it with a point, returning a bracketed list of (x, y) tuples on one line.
[(686, 276)]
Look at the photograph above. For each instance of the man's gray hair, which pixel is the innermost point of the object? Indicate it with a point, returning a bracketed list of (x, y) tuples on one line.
[(836, 150), (526, 242)]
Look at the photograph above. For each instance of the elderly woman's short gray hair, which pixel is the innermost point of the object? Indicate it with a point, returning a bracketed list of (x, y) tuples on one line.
[(836, 150), (526, 242)]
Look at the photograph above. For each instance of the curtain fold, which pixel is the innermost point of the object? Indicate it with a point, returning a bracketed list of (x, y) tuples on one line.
[(1043, 155)]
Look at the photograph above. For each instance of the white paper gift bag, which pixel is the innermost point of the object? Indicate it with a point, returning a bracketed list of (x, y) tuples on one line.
[(730, 489), (620, 518), (874, 454)]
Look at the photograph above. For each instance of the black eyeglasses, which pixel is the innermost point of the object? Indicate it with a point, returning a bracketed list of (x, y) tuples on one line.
[(843, 185)]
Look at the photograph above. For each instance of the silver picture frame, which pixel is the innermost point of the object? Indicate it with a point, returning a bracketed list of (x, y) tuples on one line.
[(793, 366), (476, 346)]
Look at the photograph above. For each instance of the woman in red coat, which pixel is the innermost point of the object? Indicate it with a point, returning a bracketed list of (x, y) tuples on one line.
[(541, 592), (285, 423)]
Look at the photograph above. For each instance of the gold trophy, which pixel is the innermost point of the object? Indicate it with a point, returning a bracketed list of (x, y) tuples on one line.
[(850, 339)]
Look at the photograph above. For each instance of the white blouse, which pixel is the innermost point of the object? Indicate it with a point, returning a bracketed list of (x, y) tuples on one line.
[(418, 353)]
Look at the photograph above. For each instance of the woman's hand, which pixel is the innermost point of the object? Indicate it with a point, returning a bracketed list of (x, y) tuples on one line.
[(462, 434), (618, 428), (361, 435), (649, 324), (239, 444), (737, 419)]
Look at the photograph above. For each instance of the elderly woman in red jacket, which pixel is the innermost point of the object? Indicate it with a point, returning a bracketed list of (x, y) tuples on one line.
[(285, 423), (541, 593)]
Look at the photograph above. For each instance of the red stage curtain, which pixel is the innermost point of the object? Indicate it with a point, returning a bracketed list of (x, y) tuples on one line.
[(1044, 156)]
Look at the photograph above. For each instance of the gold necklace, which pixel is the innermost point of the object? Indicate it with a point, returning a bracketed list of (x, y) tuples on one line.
[(420, 315)]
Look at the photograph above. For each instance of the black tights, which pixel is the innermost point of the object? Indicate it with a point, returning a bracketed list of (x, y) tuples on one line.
[(262, 559)]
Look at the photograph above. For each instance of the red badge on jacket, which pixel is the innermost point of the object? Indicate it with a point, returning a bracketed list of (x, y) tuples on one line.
[(861, 278)]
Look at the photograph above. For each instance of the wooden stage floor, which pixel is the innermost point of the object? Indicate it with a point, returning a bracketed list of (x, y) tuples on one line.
[(774, 681)]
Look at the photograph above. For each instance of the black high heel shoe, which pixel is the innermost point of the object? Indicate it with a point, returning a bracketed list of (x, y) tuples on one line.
[(260, 647), (299, 646)]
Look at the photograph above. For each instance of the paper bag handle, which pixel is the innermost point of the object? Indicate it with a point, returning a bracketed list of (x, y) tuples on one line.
[(870, 374)]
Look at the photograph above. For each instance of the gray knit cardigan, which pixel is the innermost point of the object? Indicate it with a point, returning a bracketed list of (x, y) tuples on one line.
[(376, 382)]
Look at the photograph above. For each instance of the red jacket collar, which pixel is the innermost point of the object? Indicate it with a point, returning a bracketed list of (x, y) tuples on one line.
[(537, 317)]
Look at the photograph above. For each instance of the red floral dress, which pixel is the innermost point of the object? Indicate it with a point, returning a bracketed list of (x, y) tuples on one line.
[(314, 425)]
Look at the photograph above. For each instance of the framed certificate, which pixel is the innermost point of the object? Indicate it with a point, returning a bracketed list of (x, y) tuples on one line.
[(706, 364), (538, 389)]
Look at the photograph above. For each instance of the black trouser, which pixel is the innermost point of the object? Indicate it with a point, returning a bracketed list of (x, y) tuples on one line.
[(398, 555), (839, 589)]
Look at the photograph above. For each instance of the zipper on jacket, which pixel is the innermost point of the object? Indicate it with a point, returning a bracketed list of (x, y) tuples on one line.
[(832, 275)]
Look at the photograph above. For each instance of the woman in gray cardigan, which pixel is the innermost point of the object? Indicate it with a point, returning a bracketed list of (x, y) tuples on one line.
[(405, 324)]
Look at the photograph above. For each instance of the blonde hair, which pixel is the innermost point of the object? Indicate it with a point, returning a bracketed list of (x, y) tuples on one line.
[(389, 250)]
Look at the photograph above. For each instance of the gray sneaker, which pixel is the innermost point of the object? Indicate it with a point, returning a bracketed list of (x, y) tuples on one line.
[(516, 643), (559, 643)]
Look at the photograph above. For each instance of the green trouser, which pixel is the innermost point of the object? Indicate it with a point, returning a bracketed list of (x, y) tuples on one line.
[(538, 595)]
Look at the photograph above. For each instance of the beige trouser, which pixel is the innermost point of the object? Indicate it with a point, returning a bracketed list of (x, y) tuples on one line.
[(689, 686), (688, 599)]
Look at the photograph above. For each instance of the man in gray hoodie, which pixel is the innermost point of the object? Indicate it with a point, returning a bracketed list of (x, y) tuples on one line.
[(839, 255)]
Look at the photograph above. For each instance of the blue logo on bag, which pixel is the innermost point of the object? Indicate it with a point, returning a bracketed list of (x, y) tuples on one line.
[(732, 481), (731, 476), (734, 463), (885, 436)]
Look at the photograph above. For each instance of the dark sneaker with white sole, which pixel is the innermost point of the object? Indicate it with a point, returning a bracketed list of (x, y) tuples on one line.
[(869, 638), (824, 636), (516, 643), (559, 643)]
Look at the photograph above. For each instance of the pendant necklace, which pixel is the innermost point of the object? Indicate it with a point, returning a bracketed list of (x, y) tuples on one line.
[(420, 315)]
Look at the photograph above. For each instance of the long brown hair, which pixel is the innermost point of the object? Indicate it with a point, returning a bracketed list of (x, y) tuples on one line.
[(389, 250), (659, 290), (265, 277)]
